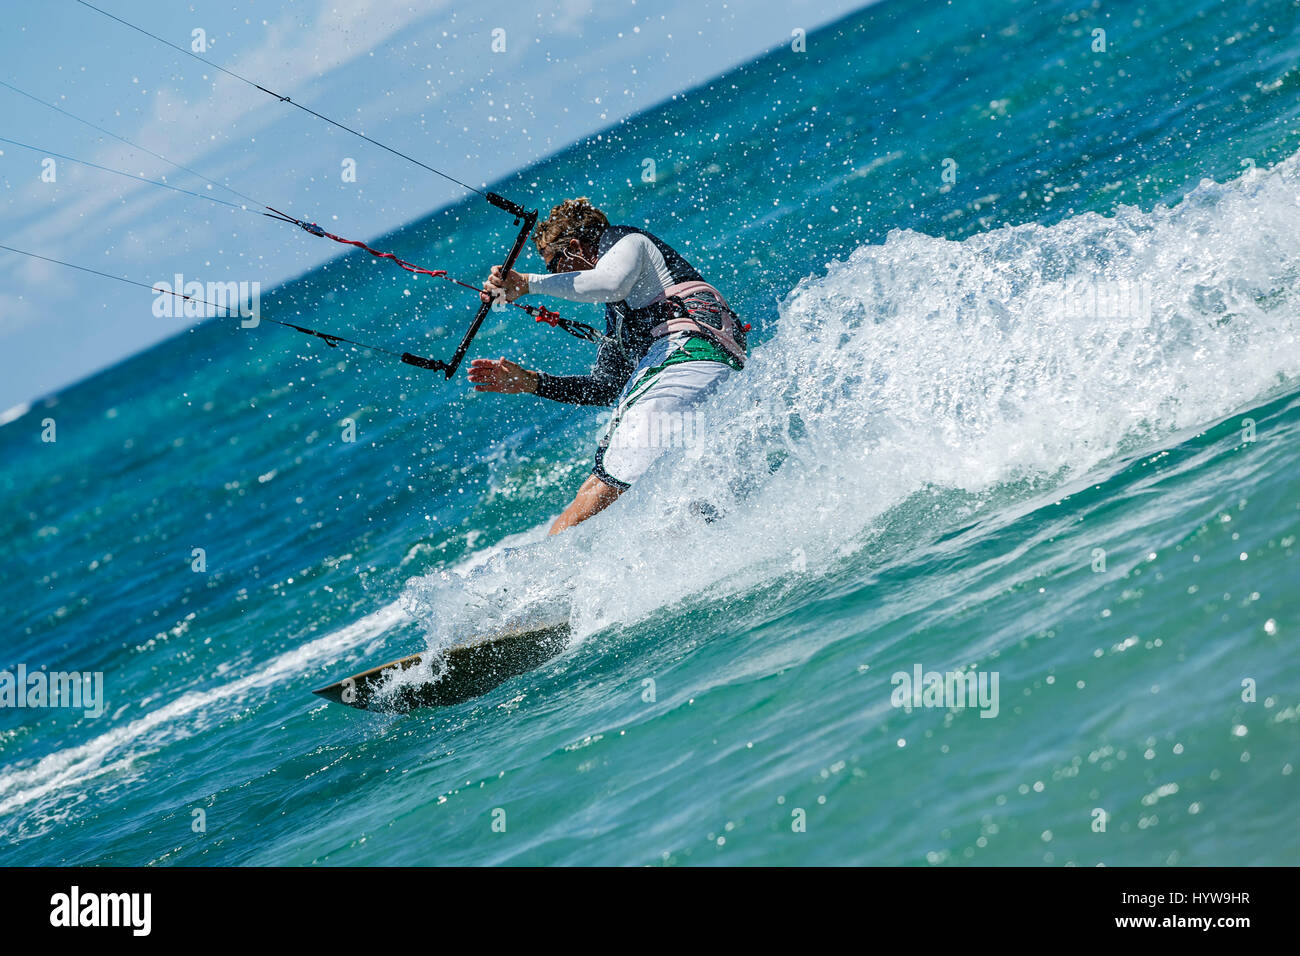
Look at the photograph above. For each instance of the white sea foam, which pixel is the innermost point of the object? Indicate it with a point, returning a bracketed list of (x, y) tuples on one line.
[(928, 365), (14, 413), (115, 750)]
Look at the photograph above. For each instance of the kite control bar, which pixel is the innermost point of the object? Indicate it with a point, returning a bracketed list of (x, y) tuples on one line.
[(529, 219)]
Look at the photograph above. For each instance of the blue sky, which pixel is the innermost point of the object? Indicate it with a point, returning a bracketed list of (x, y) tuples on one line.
[(420, 76)]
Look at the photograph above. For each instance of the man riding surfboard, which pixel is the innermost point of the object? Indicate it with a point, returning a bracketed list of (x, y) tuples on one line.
[(670, 340)]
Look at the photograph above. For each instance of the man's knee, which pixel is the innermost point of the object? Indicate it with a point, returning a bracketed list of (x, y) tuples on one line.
[(596, 494)]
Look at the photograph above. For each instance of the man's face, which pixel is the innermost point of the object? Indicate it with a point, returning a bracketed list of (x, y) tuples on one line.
[(564, 254), (552, 254)]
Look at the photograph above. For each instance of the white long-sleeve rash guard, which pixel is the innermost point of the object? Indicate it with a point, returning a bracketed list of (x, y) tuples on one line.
[(630, 269)]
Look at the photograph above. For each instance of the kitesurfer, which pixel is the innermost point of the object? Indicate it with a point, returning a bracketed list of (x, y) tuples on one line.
[(670, 340)]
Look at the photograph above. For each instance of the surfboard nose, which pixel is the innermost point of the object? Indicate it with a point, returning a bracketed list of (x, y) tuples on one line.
[(350, 691), (333, 692)]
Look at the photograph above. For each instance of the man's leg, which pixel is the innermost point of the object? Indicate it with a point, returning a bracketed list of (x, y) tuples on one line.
[(657, 411), (592, 498)]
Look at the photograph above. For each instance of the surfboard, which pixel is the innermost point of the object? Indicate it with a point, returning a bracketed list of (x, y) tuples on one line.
[(470, 670)]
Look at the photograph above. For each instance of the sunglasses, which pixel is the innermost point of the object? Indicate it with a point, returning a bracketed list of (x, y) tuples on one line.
[(553, 262)]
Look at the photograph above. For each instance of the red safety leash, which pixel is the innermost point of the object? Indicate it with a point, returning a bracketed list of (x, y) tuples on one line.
[(316, 230)]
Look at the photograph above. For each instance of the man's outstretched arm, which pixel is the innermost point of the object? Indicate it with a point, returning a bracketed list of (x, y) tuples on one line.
[(600, 387)]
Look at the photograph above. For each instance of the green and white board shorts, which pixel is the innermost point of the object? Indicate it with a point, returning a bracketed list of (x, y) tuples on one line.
[(661, 407)]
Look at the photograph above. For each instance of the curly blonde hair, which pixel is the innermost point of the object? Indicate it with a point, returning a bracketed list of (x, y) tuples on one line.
[(573, 218)]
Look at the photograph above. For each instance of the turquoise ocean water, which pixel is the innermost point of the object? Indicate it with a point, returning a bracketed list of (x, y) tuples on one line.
[(945, 453)]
